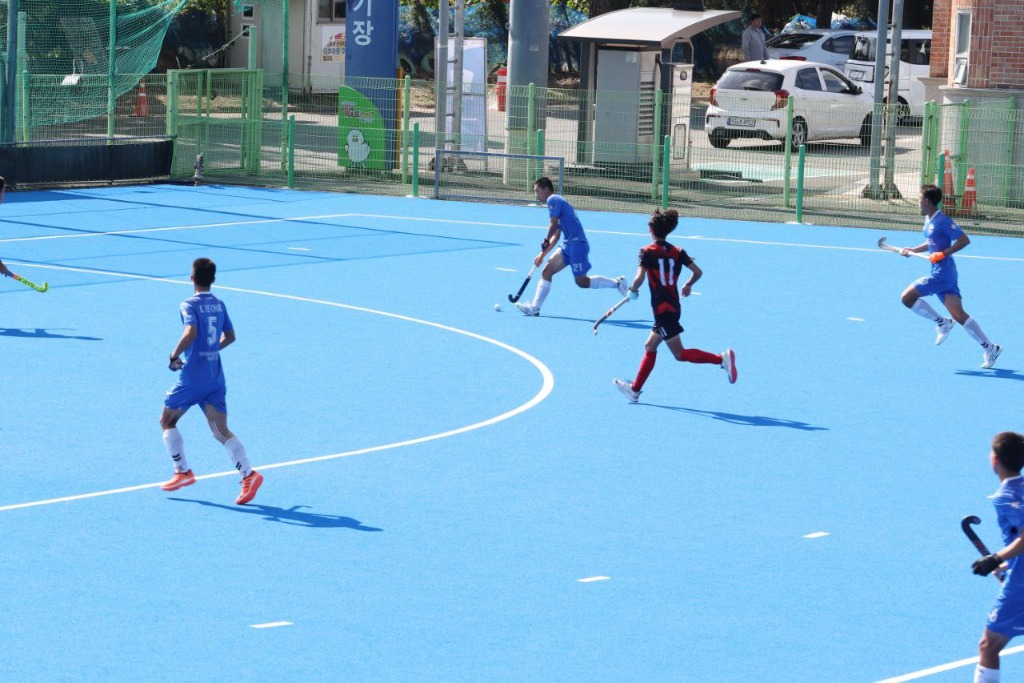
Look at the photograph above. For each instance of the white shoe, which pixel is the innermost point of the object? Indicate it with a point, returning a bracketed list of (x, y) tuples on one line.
[(528, 309), (627, 390), (620, 284), (991, 353), (729, 365), (942, 330)]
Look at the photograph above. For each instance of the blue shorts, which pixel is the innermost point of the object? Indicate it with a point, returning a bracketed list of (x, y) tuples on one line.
[(940, 288), (575, 256), (1007, 615), (184, 396)]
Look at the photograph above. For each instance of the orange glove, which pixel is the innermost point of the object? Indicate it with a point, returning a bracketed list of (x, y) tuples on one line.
[(937, 256)]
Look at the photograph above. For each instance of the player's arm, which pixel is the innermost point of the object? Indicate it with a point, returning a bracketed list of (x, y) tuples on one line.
[(188, 335), (638, 282), (4, 271), (550, 241), (906, 251), (227, 338), (988, 564), (961, 242), (695, 274)]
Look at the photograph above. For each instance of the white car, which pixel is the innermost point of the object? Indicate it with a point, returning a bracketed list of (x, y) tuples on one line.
[(750, 101), (813, 45)]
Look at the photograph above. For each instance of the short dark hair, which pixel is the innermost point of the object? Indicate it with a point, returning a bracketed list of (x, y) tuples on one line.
[(932, 193), (545, 183), (204, 272), (755, 15), (1009, 450), (663, 222)]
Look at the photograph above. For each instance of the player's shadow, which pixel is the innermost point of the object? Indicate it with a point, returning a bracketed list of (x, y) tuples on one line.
[(749, 420), (997, 373), (41, 333), (292, 515), (636, 324)]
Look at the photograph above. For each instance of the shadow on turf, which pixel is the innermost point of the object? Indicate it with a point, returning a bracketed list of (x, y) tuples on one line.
[(996, 374), (749, 420), (40, 333), (611, 322), (290, 516)]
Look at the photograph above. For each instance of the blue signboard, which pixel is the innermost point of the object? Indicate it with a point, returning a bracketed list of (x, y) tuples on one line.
[(371, 52)]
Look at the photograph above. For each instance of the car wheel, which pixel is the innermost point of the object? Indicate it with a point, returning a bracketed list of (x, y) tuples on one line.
[(865, 131), (718, 139), (901, 111), (799, 134)]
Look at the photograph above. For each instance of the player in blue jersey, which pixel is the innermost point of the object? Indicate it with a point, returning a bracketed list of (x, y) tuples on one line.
[(1006, 620), (661, 264), (943, 238), (208, 330), (573, 253)]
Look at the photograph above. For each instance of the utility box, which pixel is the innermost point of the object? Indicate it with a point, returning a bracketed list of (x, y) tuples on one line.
[(624, 105)]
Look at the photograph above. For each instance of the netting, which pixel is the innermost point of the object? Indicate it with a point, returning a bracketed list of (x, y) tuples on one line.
[(64, 68)]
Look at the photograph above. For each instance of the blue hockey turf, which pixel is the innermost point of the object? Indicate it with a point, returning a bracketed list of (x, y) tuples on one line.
[(458, 493)]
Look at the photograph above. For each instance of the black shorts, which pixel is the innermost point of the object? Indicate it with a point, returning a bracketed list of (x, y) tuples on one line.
[(667, 325)]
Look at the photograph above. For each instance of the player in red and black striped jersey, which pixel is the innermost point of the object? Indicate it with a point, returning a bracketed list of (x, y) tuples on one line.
[(661, 264)]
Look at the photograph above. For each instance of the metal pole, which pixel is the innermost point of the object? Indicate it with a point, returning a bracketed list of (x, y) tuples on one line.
[(1011, 125), (253, 61), (406, 96), (891, 191), (11, 86), (457, 61), (800, 184), (24, 123), (788, 155), (874, 188), (291, 152), (112, 70), (441, 77), (655, 152), (926, 135), (531, 124)]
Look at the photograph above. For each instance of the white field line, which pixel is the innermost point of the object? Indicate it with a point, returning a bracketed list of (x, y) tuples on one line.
[(545, 390), (947, 667)]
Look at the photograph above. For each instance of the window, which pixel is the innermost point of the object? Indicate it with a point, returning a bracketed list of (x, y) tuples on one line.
[(962, 47), (248, 12), (863, 49), (915, 51), (833, 83), (840, 46), (807, 79), (330, 11)]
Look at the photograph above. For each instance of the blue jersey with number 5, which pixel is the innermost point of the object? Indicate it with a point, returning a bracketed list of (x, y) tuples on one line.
[(208, 315)]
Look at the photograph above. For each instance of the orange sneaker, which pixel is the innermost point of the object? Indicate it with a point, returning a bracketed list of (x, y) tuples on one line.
[(178, 481), (250, 485)]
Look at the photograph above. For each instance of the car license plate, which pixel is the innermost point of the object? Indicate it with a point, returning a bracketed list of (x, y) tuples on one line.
[(856, 74), (746, 123)]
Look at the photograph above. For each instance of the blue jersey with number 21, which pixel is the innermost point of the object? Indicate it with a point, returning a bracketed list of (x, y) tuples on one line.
[(208, 315)]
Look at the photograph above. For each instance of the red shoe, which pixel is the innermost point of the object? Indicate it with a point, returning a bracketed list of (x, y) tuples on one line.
[(179, 481), (250, 485)]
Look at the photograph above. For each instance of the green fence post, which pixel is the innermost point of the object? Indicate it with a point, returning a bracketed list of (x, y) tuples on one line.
[(788, 154), (926, 137), (531, 124), (800, 184), (24, 113), (961, 154), (941, 174), (655, 152), (291, 152), (112, 73), (406, 95), (665, 157), (416, 160), (540, 142), (1011, 124)]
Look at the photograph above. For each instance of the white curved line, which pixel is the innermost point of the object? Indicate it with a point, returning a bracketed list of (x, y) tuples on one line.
[(545, 390)]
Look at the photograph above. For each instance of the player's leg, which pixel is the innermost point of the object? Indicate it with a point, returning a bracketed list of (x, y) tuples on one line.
[(992, 643), (555, 264), (577, 257), (215, 409), (912, 299), (954, 304), (725, 360), (176, 404)]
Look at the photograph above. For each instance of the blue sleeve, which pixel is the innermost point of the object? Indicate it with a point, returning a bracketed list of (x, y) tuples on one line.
[(188, 313), (227, 319), (555, 206)]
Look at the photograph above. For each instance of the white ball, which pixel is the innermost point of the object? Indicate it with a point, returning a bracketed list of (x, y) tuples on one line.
[(497, 307)]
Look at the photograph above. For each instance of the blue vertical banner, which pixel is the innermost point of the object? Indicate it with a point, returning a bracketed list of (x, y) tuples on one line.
[(371, 53)]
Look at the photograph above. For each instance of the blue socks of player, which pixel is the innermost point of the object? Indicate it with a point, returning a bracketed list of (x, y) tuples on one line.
[(175, 446)]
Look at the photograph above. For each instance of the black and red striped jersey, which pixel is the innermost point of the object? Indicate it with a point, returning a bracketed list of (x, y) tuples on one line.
[(663, 262)]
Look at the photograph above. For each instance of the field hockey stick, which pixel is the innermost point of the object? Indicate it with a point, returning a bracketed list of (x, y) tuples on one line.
[(39, 288), (522, 287), (976, 541), (611, 310), (897, 250)]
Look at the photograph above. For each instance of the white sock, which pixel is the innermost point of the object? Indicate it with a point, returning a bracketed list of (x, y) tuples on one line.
[(923, 309), (543, 287), (175, 446), (601, 282), (236, 451), (974, 329), (983, 675)]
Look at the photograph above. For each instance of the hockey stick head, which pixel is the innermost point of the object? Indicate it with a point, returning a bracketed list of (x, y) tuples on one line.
[(968, 521)]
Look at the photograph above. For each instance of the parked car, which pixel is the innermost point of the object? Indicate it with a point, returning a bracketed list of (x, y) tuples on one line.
[(813, 45), (750, 100), (915, 60)]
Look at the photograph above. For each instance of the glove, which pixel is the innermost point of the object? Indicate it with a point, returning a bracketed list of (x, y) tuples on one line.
[(987, 564), (544, 245), (937, 256), (175, 364), (633, 294)]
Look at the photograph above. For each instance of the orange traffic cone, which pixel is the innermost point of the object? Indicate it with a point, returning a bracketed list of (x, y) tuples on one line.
[(948, 191), (969, 202), (141, 101)]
